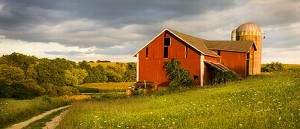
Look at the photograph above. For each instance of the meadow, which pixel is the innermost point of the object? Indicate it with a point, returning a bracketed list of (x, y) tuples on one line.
[(104, 87), (263, 101), (13, 111)]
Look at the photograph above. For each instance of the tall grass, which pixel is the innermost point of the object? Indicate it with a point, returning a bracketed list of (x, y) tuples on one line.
[(14, 111), (264, 101)]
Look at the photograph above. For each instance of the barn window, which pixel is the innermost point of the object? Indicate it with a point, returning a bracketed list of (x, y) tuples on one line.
[(248, 56), (219, 52), (147, 52), (166, 52), (196, 77), (186, 51), (167, 42)]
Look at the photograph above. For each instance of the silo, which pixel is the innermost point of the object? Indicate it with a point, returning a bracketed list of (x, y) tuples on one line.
[(233, 35), (252, 32)]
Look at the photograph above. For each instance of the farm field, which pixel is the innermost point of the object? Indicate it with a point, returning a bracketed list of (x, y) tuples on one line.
[(104, 87), (108, 85), (105, 64), (263, 101)]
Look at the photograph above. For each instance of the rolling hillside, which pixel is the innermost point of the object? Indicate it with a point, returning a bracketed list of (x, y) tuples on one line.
[(263, 101)]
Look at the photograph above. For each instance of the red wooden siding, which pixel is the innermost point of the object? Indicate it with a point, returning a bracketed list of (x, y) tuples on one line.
[(151, 68), (212, 59), (235, 61)]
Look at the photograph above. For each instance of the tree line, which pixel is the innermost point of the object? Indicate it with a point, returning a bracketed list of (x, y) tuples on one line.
[(23, 76)]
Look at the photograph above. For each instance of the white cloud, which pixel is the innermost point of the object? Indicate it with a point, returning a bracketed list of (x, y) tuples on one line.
[(55, 50), (287, 56)]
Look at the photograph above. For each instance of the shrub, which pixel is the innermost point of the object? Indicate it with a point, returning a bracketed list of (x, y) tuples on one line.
[(224, 77), (21, 90), (272, 67), (50, 89), (67, 90), (27, 89), (179, 77), (54, 91), (6, 90)]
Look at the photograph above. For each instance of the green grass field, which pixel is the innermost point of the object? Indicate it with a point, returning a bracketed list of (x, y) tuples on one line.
[(263, 101), (108, 85), (104, 87), (14, 111)]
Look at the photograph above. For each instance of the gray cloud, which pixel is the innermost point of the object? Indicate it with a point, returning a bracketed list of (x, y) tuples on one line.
[(69, 53), (120, 27), (33, 20)]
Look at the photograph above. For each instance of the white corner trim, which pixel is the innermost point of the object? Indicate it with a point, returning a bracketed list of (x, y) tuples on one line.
[(201, 70), (137, 67)]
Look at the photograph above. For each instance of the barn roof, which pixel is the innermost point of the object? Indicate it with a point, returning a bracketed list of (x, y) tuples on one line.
[(217, 66), (236, 46), (206, 46), (194, 42)]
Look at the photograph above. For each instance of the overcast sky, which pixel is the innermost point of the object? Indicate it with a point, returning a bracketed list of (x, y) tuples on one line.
[(115, 29)]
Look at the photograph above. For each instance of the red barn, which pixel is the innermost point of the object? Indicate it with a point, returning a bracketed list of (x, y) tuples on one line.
[(196, 55)]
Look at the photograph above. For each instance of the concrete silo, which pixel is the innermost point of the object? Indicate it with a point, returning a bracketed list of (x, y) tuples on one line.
[(250, 32)]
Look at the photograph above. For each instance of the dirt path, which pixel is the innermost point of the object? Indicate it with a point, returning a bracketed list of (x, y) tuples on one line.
[(55, 121), (25, 123)]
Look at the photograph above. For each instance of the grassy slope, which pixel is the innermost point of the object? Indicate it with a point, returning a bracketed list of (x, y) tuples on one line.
[(14, 111), (265, 101)]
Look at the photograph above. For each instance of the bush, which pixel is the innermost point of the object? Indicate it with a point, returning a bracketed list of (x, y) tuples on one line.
[(21, 90), (68, 90), (6, 90), (50, 89), (224, 77), (179, 77), (28, 89), (272, 67), (55, 91)]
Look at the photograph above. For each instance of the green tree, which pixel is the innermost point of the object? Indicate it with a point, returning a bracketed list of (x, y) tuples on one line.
[(113, 76), (19, 60), (84, 65), (14, 85), (53, 71), (114, 73), (130, 73), (75, 76), (10, 74), (95, 74)]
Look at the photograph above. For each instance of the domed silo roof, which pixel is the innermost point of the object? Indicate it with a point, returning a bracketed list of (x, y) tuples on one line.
[(249, 28)]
